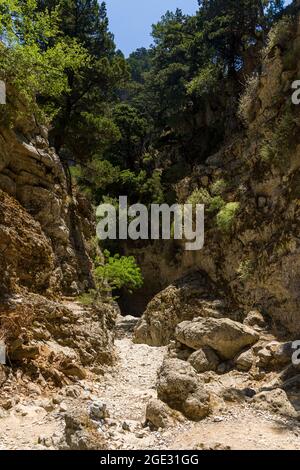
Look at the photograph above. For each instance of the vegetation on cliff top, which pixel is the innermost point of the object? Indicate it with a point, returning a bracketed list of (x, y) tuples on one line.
[(137, 126)]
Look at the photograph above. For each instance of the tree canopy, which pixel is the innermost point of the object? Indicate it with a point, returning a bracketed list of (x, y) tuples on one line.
[(142, 122)]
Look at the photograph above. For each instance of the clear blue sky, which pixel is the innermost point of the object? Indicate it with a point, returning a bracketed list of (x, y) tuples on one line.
[(131, 20)]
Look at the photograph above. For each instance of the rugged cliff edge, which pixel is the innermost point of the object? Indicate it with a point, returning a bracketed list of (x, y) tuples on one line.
[(251, 191), (33, 175), (218, 331), (233, 311), (46, 239)]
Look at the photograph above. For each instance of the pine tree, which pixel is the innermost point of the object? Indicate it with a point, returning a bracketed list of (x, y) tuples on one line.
[(230, 28), (83, 125)]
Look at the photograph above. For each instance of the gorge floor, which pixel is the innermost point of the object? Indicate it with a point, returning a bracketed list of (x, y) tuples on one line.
[(34, 422)]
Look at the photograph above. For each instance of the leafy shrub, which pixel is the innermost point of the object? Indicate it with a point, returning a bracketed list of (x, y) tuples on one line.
[(205, 82), (88, 298), (202, 196), (219, 187), (245, 269), (216, 204), (280, 141), (226, 216), (120, 272), (199, 196)]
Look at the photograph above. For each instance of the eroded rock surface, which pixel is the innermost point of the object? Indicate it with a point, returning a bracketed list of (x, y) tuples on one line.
[(180, 387), (189, 297)]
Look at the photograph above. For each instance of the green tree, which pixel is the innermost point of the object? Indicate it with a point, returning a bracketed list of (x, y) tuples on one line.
[(34, 56), (139, 62), (231, 28), (133, 129), (83, 125), (121, 272)]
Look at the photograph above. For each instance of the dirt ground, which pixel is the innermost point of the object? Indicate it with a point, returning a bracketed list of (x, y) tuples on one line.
[(36, 421)]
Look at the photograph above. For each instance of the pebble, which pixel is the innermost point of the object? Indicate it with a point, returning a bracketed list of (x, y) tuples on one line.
[(218, 419), (126, 426), (63, 407), (98, 411)]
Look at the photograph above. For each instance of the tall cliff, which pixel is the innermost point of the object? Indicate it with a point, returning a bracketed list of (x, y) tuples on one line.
[(251, 192), (46, 239), (60, 223)]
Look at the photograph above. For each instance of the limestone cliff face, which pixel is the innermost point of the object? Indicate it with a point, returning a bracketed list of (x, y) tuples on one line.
[(257, 261), (46, 237), (33, 175)]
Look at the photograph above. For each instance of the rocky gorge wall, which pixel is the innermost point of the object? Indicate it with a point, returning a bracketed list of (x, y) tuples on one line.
[(46, 243), (32, 174), (229, 314), (255, 262)]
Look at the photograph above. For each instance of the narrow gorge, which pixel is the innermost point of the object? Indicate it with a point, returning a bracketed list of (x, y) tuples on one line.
[(202, 354)]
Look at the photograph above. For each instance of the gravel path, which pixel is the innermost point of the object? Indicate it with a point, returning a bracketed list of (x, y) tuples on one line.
[(125, 389)]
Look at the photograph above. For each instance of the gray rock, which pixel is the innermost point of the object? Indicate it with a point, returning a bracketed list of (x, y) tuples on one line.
[(99, 411), (225, 336), (275, 354), (81, 433), (245, 361), (204, 360), (159, 415), (255, 319), (181, 388), (275, 401)]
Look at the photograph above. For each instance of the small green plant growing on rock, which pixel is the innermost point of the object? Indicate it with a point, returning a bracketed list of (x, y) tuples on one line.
[(120, 272), (245, 269), (216, 204), (219, 187), (277, 147), (202, 196), (199, 196), (88, 298), (227, 215)]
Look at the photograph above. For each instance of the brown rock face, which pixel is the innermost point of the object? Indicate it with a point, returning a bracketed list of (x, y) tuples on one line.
[(185, 299), (46, 236), (45, 230), (182, 389), (26, 255)]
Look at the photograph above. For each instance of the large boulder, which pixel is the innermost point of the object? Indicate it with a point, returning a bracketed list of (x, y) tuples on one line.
[(275, 401), (224, 336), (181, 388), (159, 415), (275, 355), (186, 299)]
